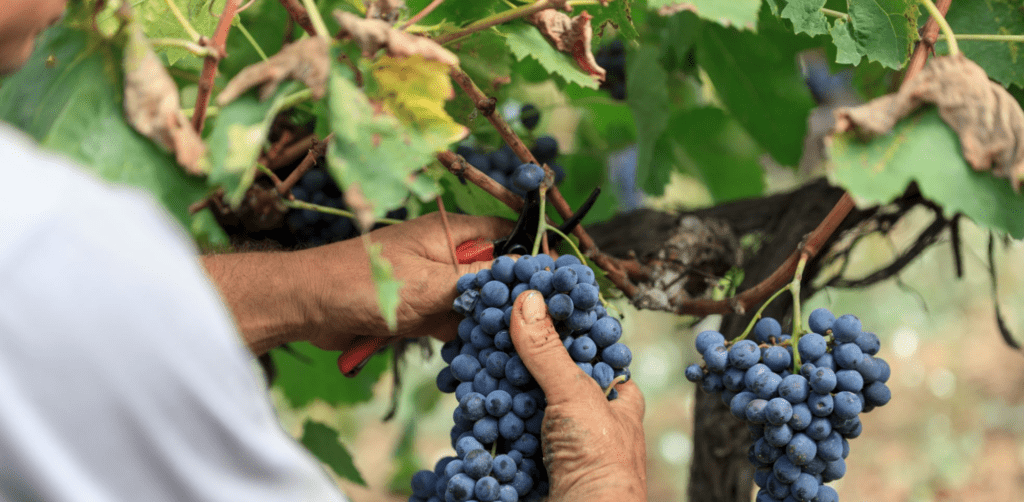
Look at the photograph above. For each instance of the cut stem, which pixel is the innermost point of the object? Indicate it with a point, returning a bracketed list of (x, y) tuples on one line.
[(571, 243)]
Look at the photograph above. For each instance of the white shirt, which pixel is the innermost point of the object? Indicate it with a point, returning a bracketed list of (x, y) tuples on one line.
[(122, 374)]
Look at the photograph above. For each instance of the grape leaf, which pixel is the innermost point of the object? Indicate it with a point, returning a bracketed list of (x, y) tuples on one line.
[(592, 169), (485, 58), (755, 76), (415, 90), (473, 199), (452, 13), (370, 148), (405, 455), (726, 157), (305, 373), (385, 283), (322, 441), (618, 14), (237, 138), (524, 41), (739, 13), (72, 104), (647, 97), (924, 149), (159, 21), (1003, 61), (847, 51), (884, 29), (806, 16)]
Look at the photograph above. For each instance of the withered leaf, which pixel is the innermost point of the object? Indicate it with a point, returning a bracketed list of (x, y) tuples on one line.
[(989, 122), (373, 34), (307, 60), (152, 107), (386, 10), (571, 36)]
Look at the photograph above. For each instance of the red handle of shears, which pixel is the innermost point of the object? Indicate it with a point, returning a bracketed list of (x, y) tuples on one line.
[(364, 347)]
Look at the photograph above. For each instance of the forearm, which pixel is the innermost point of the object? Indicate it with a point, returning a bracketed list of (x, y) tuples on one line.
[(272, 296)]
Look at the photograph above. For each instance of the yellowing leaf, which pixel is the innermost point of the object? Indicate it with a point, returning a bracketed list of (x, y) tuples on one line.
[(415, 90)]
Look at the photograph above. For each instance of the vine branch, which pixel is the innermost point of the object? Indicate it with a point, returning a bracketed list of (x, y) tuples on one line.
[(502, 17), (299, 15), (929, 34), (939, 17), (220, 37)]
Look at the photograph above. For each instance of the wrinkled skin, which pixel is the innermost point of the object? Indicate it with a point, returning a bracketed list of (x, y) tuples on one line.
[(593, 448)]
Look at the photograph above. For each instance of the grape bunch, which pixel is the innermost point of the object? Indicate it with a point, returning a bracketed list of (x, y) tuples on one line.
[(497, 427), (314, 228), (612, 57), (801, 421)]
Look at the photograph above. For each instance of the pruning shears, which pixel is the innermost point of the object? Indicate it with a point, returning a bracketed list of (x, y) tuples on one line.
[(520, 241)]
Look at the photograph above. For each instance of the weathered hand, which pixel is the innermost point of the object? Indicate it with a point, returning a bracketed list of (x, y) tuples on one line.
[(593, 448), (418, 251)]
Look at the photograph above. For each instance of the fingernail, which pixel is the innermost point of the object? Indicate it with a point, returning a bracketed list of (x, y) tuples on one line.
[(534, 309)]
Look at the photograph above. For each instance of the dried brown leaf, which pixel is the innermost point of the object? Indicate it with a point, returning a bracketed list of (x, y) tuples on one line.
[(387, 10), (373, 34), (152, 107), (306, 60), (988, 120), (570, 35)]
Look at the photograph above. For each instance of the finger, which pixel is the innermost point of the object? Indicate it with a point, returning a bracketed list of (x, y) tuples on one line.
[(541, 349), (630, 401), (466, 228)]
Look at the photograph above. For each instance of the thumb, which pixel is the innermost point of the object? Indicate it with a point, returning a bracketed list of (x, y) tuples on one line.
[(541, 349)]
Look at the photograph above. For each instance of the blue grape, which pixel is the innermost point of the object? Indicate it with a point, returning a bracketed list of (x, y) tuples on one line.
[(603, 374), (778, 411), (766, 453), (707, 339), (487, 489), (831, 448), (564, 279), (744, 354), (716, 358), (492, 320), (732, 379), (524, 405), (546, 262), (525, 267), (877, 394), (847, 405), (849, 380), (511, 427), (847, 355), (507, 493), (482, 278), (811, 347), (820, 320), (765, 328), (528, 177), (460, 487), (465, 330), (583, 349), (801, 417), (446, 382), (527, 443), (581, 320), (584, 296), (754, 373), (477, 463), (826, 361), (484, 383), (454, 467), (503, 340), (820, 404), (693, 373), (776, 358), (816, 466), (503, 468), (465, 367), (834, 470), (584, 274), (460, 419), (473, 406), (846, 329), (767, 386), (755, 412), (801, 449), (617, 355), (712, 383), (485, 430), (463, 389), (826, 494), (778, 435), (496, 361), (805, 488), (516, 372), (794, 389), (738, 404), (819, 428), (566, 260), (586, 368), (785, 470), (498, 403), (534, 423), (541, 281), (560, 306), (480, 339), (517, 290), (450, 349), (868, 343), (494, 293), (522, 482), (605, 331), (868, 369), (465, 282), (424, 483), (466, 302), (822, 380), (502, 269)]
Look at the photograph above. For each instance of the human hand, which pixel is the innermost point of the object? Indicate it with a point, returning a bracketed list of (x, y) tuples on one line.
[(593, 448), (419, 253)]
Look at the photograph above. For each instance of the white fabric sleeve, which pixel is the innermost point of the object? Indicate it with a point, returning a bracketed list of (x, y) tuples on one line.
[(122, 374)]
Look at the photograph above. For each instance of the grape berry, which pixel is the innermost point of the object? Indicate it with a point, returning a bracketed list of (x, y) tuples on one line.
[(497, 423), (801, 422)]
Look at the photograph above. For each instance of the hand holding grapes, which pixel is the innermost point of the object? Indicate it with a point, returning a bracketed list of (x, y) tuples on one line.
[(593, 448)]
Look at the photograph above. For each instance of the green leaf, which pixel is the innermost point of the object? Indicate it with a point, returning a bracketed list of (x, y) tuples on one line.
[(405, 456), (924, 149), (385, 283), (847, 51), (238, 137), (647, 97), (458, 13), (485, 57), (525, 40), (677, 40), (306, 373), (158, 21), (806, 16), (72, 105), (589, 173), (755, 76), (322, 441), (474, 200), (372, 150), (619, 15), (740, 13), (1003, 61), (722, 152), (884, 29)]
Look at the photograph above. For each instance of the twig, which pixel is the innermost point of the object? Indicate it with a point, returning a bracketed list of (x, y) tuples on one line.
[(422, 14), (292, 152), (939, 18), (929, 34), (315, 152), (459, 167), (192, 47), (448, 233), (987, 37), (300, 204), (835, 13), (319, 28), (500, 18), (220, 36), (270, 174), (299, 15)]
